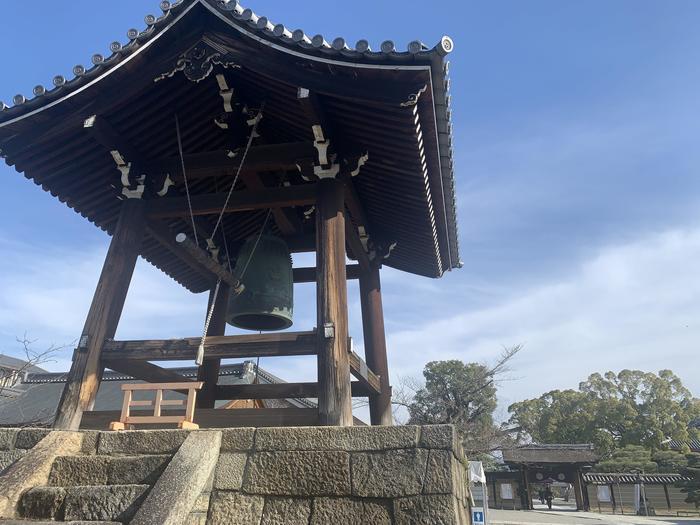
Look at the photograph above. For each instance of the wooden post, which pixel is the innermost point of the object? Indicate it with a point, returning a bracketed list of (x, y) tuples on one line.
[(209, 371), (375, 344), (334, 401), (103, 317), (578, 490)]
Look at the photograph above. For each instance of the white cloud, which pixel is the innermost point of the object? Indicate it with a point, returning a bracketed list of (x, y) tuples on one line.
[(630, 306)]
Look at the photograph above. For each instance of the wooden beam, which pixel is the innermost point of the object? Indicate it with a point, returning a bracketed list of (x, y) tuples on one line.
[(209, 371), (218, 418), (288, 196), (308, 275), (286, 219), (375, 345), (224, 347), (145, 371), (205, 260), (280, 391), (366, 377), (301, 243), (166, 237), (269, 157), (353, 240), (103, 317), (334, 401)]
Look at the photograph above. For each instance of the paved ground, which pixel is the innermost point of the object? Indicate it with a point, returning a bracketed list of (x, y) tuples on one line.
[(559, 517)]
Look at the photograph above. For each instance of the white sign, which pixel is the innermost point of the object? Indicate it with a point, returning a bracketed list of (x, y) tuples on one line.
[(604, 494), (506, 491), (478, 516)]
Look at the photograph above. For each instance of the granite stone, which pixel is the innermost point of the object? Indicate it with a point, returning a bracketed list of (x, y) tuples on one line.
[(43, 503), (29, 437), (71, 471), (104, 503), (336, 438), (419, 510), (234, 508), (299, 473), (286, 511), (229, 471), (141, 442), (350, 511), (389, 474), (237, 439)]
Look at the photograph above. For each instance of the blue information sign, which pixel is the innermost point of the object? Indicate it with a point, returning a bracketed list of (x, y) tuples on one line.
[(478, 516)]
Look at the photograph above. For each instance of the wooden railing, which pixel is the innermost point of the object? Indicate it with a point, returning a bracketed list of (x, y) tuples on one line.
[(183, 421)]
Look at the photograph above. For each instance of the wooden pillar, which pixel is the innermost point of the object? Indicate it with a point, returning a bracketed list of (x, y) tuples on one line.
[(209, 371), (375, 344), (334, 400), (578, 490), (103, 317)]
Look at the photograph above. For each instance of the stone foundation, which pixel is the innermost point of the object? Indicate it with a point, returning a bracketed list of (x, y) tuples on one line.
[(330, 475), (267, 476)]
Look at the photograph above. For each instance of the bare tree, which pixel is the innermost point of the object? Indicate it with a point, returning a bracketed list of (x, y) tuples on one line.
[(31, 359)]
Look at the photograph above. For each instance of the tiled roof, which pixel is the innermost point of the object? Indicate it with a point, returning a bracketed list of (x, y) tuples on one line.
[(407, 186), (693, 444), (551, 453), (293, 40), (629, 478)]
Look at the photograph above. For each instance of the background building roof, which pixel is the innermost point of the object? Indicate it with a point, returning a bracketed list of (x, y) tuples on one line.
[(37, 402), (550, 453)]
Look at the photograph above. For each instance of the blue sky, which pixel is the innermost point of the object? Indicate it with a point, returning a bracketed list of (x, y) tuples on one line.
[(576, 129)]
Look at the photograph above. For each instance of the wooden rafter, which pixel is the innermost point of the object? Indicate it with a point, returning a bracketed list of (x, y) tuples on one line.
[(213, 203), (269, 157)]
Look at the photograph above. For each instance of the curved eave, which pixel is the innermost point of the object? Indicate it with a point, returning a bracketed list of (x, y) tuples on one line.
[(259, 28), (433, 108)]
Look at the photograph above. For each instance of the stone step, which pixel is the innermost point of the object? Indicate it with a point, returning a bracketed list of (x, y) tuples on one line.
[(72, 471), (116, 503), (8, 458), (35, 522)]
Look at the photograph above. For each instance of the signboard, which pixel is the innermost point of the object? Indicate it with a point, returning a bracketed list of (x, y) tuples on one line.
[(478, 516), (604, 494), (506, 491)]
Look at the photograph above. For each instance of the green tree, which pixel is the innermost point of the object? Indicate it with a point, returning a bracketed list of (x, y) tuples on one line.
[(627, 459), (611, 411), (670, 461), (464, 395), (692, 487)]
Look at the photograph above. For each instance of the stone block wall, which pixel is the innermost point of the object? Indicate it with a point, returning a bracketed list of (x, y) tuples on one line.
[(331, 475), (15, 442)]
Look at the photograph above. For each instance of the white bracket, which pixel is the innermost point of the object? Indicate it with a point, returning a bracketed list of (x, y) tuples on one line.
[(360, 162), (166, 186), (226, 93), (328, 331), (125, 170)]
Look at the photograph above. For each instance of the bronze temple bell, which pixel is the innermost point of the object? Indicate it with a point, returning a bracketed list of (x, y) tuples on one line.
[(264, 267)]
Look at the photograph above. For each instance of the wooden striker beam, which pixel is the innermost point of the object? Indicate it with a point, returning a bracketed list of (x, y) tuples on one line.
[(334, 398), (375, 344), (106, 308)]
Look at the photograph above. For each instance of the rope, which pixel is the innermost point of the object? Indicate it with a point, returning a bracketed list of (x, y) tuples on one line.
[(238, 171), (210, 313), (184, 176), (200, 350)]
